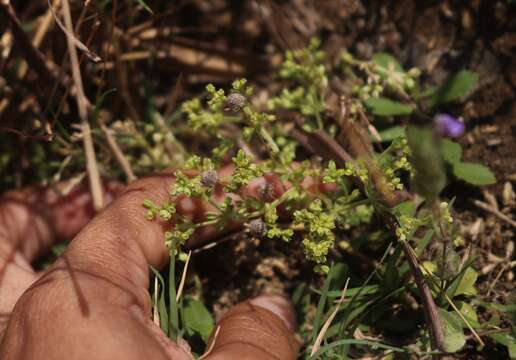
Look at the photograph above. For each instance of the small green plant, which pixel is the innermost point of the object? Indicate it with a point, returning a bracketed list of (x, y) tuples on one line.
[(348, 190)]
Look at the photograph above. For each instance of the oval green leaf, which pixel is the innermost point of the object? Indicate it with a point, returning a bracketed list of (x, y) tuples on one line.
[(472, 173), (387, 107)]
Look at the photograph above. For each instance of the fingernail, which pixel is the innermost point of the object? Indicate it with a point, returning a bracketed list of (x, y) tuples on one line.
[(280, 307)]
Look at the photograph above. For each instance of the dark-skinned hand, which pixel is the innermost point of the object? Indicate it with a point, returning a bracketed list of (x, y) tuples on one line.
[(93, 302)]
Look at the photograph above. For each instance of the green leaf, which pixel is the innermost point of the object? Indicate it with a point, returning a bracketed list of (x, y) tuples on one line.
[(451, 151), (472, 173), (454, 338), (386, 61), (467, 283), (469, 314), (426, 159), (145, 6), (373, 344), (508, 340), (197, 319), (459, 85), (387, 107), (391, 133), (509, 309), (319, 313)]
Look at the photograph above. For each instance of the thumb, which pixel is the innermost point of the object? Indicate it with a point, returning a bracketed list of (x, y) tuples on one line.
[(261, 328)]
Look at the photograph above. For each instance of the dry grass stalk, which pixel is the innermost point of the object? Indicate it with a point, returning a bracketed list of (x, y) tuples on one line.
[(83, 105), (183, 277), (119, 155), (328, 322)]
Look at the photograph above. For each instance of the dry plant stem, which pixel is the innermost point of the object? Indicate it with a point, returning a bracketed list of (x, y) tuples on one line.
[(322, 136), (82, 104), (70, 35), (121, 73), (475, 334), (46, 21), (183, 277), (322, 144), (33, 56), (155, 312), (328, 322), (495, 212), (433, 321), (212, 345), (119, 155)]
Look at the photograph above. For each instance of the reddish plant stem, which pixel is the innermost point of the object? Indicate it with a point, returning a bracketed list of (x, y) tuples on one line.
[(360, 147), (433, 321)]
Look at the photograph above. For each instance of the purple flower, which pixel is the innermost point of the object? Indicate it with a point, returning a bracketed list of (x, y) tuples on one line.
[(448, 126)]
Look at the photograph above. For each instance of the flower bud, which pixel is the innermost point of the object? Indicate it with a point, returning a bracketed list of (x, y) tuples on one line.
[(414, 72), (410, 83), (447, 125)]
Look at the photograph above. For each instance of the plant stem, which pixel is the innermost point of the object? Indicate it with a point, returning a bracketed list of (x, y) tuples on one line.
[(269, 140), (433, 321), (360, 147), (173, 311)]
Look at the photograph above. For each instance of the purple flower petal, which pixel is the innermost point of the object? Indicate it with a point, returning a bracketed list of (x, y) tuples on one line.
[(448, 126)]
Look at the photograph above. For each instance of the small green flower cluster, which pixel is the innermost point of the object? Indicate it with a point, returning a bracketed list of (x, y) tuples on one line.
[(245, 171), (199, 118), (260, 215), (333, 175), (274, 231), (306, 65), (319, 225), (395, 160), (382, 73), (407, 226), (316, 215), (445, 212), (164, 211), (306, 68)]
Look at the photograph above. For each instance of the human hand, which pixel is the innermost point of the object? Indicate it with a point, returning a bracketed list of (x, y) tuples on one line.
[(93, 303)]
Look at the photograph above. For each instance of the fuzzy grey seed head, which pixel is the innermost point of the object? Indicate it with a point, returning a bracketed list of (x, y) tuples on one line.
[(235, 101), (257, 228), (209, 179)]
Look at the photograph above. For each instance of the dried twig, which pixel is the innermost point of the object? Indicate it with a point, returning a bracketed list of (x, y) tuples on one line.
[(22, 135), (475, 334), (155, 311), (183, 277), (46, 21), (322, 136), (212, 343), (83, 105), (71, 38), (119, 155), (494, 211), (33, 56), (326, 326)]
